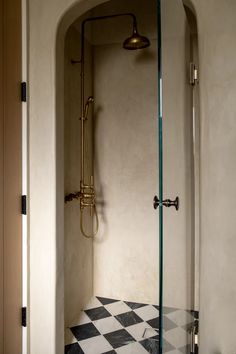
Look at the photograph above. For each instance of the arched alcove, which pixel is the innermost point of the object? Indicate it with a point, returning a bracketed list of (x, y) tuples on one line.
[(47, 180)]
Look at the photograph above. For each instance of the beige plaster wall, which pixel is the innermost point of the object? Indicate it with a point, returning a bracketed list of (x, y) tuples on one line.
[(78, 250), (216, 24), (126, 248), (217, 30)]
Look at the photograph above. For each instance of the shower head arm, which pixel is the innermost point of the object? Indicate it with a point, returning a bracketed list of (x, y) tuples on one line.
[(98, 18), (95, 18)]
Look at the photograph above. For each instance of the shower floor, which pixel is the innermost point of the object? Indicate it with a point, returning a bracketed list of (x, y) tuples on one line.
[(109, 326)]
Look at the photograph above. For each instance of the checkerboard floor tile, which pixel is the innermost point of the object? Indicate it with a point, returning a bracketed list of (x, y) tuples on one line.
[(110, 326)]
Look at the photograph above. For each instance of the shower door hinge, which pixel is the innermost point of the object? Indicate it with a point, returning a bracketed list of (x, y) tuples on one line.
[(24, 316), (23, 205), (23, 92), (193, 74)]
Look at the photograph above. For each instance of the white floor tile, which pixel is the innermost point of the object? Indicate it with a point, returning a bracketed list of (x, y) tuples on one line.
[(147, 312), (95, 345), (106, 325), (69, 338), (141, 331), (178, 337), (117, 308), (133, 348), (83, 319)]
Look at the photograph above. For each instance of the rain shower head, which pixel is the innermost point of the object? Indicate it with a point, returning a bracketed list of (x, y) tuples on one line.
[(136, 41)]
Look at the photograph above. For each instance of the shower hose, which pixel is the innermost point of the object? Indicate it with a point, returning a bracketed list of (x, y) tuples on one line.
[(94, 232)]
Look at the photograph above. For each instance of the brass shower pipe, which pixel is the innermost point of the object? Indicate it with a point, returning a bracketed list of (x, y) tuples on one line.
[(87, 195)]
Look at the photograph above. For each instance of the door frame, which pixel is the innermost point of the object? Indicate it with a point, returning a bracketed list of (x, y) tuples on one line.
[(11, 178)]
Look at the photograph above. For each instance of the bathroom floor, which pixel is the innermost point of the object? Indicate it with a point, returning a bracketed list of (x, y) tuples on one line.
[(108, 326)]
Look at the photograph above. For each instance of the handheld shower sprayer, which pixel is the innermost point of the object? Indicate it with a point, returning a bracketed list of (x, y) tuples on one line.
[(90, 100)]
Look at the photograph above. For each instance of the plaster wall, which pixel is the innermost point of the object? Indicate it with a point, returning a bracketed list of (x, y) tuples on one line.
[(78, 249), (126, 248), (217, 28), (217, 52)]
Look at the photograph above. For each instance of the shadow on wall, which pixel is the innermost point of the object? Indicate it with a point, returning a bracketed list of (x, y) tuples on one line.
[(100, 195), (146, 56)]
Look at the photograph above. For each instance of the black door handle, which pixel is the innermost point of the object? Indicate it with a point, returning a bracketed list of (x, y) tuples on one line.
[(167, 203)]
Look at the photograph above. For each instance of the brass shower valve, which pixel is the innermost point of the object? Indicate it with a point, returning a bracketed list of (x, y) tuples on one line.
[(87, 199)]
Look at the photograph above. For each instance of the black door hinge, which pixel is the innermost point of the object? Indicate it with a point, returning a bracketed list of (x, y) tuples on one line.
[(23, 317), (23, 205), (23, 92)]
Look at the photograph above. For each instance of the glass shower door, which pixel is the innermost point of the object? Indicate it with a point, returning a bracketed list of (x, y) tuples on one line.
[(160, 154), (175, 201)]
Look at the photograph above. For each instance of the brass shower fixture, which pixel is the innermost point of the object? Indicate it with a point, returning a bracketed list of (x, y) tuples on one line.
[(87, 195)]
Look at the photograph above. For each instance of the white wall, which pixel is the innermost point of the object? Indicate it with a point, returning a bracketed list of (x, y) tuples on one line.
[(216, 22)]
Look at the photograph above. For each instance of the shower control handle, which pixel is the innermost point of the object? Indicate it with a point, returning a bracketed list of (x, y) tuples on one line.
[(167, 203)]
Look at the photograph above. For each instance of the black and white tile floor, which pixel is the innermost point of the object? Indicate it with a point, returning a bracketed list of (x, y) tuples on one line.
[(110, 326)]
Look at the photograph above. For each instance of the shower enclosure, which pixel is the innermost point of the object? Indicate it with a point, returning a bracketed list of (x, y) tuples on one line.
[(131, 168)]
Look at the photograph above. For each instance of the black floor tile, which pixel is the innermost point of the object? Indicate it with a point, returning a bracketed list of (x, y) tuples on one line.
[(134, 305), (128, 318), (97, 313), (85, 331), (166, 310), (167, 347), (110, 352), (151, 346), (73, 349), (119, 338), (167, 325), (106, 301), (154, 323)]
